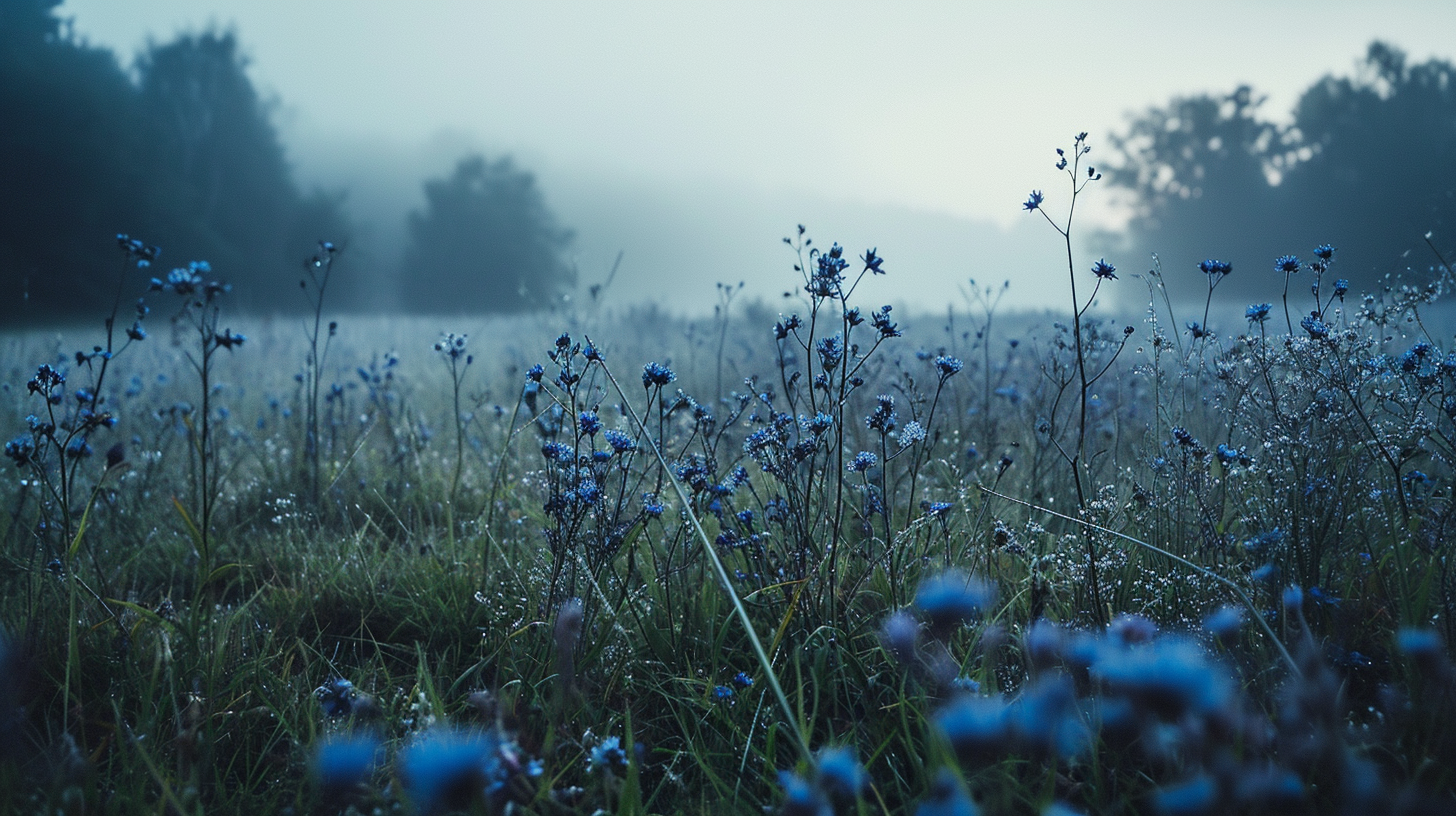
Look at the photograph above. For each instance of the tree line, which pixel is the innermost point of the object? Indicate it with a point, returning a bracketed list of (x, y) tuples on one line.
[(182, 152), (1364, 163)]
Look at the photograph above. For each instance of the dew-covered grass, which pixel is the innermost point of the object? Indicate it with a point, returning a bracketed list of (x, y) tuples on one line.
[(816, 557)]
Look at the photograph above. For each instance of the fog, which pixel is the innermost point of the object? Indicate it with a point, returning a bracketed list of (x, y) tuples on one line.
[(691, 139)]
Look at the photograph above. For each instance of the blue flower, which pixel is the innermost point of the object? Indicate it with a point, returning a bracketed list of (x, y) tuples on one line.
[(912, 432), (342, 762), (1212, 267), (939, 509), (863, 461), (1257, 313), (872, 261), (227, 339), (978, 728), (21, 450), (840, 774), (590, 422), (722, 694), (1318, 329), (607, 757), (448, 769), (620, 442), (1104, 270), (1342, 287), (801, 798), (651, 506), (883, 418), (1033, 202), (337, 697), (1288, 264), (1168, 676), (656, 374), (953, 597), (831, 352), (742, 680), (1324, 252), (948, 366)]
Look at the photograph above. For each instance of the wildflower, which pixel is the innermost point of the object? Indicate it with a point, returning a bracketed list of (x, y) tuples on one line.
[(1318, 329), (742, 680), (1169, 677), (1288, 264), (1257, 313), (1225, 622), (1197, 330), (863, 461), (337, 697), (872, 261), (342, 762), (948, 366), (136, 332), (227, 339), (590, 423), (953, 597), (1214, 268), (1324, 252), (1421, 644), (900, 635), (1104, 270), (801, 798), (21, 450), (882, 323), (1342, 287), (620, 442), (656, 374), (651, 506), (912, 432), (977, 728), (840, 774), (1033, 202), (449, 770), (831, 352), (883, 418), (723, 694), (939, 509), (607, 757)]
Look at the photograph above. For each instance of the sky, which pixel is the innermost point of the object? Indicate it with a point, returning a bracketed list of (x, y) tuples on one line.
[(692, 136)]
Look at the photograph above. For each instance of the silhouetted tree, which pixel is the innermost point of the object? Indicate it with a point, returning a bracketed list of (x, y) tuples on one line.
[(485, 242), (69, 179), (186, 158), (1363, 167)]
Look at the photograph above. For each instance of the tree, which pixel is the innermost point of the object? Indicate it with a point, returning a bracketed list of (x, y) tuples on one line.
[(485, 242), (186, 158), (68, 175), (1362, 167), (228, 194)]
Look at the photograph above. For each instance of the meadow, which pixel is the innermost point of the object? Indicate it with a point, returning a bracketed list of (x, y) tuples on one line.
[(814, 557)]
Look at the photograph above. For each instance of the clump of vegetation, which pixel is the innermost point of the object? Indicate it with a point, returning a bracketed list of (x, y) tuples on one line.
[(1088, 567)]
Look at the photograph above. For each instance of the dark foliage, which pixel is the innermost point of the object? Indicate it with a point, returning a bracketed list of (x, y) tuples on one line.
[(186, 155), (1361, 160), (486, 243)]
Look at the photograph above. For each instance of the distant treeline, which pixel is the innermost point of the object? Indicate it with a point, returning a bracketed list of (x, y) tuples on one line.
[(1368, 164), (182, 153)]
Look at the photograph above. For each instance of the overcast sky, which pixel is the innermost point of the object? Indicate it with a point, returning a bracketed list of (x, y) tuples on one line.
[(714, 127)]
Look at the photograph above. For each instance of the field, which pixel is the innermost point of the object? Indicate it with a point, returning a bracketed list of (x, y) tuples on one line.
[(816, 557)]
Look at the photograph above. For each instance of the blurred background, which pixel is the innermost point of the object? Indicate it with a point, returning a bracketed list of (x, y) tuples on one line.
[(491, 157)]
